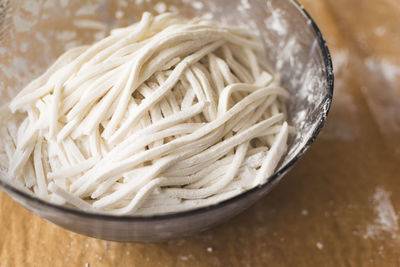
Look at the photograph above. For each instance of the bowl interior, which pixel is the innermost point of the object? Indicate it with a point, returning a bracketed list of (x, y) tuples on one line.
[(33, 35)]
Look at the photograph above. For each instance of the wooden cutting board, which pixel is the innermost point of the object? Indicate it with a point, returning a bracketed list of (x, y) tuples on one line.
[(339, 206)]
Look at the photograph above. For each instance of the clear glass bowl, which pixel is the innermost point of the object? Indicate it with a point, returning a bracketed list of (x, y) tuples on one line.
[(33, 35)]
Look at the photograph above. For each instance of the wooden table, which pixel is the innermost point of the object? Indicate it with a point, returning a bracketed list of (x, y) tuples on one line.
[(338, 207)]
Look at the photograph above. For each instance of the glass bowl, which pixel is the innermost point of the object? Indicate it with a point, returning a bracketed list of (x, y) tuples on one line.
[(33, 35)]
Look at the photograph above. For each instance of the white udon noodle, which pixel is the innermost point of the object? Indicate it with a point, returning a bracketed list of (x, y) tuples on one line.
[(165, 115)]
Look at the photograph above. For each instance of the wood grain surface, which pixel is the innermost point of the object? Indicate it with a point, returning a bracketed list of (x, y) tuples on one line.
[(339, 206)]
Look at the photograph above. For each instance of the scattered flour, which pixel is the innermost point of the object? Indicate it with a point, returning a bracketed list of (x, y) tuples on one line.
[(49, 4), (122, 3), (383, 103), (64, 3), (389, 71), (23, 47), (208, 15), (160, 7), (287, 54), (32, 7), (22, 25), (387, 219), (197, 5), (183, 258), (245, 4), (87, 9), (65, 35), (119, 14), (276, 23), (3, 51), (340, 59), (380, 31), (89, 24), (99, 35), (173, 9)]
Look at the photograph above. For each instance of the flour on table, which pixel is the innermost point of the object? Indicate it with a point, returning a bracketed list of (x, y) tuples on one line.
[(160, 7), (340, 59), (387, 219), (89, 24), (197, 5), (380, 31), (304, 212), (87, 9), (21, 24), (384, 103), (389, 71)]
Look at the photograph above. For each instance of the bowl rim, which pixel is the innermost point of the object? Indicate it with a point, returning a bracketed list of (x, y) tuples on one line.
[(274, 178)]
